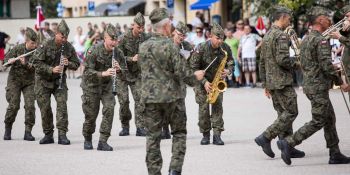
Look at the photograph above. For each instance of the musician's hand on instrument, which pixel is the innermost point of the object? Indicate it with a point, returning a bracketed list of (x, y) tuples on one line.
[(346, 26), (267, 93), (22, 60), (135, 58), (117, 67), (108, 72), (335, 35), (11, 60), (207, 87), (345, 87), (225, 73), (65, 61), (199, 74), (57, 70)]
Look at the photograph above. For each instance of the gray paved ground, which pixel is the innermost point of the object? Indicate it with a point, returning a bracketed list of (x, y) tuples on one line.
[(246, 113)]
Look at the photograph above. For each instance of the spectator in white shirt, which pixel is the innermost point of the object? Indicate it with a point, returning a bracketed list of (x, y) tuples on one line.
[(198, 38), (248, 44), (78, 44), (20, 37), (197, 22)]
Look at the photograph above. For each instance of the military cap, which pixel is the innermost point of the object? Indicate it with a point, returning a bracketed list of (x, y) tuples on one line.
[(345, 9), (63, 28), (158, 14), (317, 11), (111, 31), (181, 27), (139, 19), (217, 30), (282, 9), (31, 34)]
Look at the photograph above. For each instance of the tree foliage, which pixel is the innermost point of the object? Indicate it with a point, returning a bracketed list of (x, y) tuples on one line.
[(48, 7)]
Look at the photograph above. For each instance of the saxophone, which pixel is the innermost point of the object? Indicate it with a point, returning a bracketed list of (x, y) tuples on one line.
[(218, 84)]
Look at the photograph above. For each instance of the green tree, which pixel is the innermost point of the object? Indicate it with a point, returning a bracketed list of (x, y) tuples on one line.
[(48, 7)]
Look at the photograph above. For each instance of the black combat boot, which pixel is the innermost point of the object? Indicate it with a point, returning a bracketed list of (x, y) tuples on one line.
[(265, 143), (338, 158), (124, 132), (63, 140), (47, 139), (285, 151), (140, 132), (217, 140), (7, 135), (165, 133), (173, 172), (295, 153), (103, 146), (28, 136), (88, 143), (206, 138)]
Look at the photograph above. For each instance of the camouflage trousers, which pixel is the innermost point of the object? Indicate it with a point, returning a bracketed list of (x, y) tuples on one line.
[(206, 121), (285, 103), (43, 97), (123, 98), (155, 114), (13, 97), (91, 107), (322, 117)]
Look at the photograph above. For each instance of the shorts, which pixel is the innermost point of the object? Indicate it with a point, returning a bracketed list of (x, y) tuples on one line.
[(2, 54), (248, 64)]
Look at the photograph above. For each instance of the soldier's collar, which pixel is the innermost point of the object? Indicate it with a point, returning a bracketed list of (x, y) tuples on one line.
[(316, 32), (276, 27)]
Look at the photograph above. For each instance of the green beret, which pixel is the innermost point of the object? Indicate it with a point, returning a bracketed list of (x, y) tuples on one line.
[(317, 11), (158, 14), (181, 27), (112, 31), (217, 30), (63, 28), (31, 34), (139, 19), (345, 9)]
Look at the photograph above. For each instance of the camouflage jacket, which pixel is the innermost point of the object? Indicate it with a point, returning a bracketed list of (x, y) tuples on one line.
[(130, 47), (316, 63), (23, 73), (47, 57), (345, 39), (98, 60), (276, 67), (205, 54), (162, 70)]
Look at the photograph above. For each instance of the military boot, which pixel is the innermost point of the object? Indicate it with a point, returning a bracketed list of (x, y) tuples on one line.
[(7, 135), (295, 153), (140, 132), (265, 143), (28, 136), (285, 151), (88, 143), (63, 140), (173, 172), (103, 146), (124, 132), (217, 140), (338, 158), (165, 133), (206, 138), (47, 139)]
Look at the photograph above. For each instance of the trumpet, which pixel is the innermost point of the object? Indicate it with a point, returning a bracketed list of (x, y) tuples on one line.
[(295, 42), (336, 27), (19, 57)]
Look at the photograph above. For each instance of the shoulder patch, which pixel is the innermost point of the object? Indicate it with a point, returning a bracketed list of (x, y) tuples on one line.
[(89, 51), (323, 42)]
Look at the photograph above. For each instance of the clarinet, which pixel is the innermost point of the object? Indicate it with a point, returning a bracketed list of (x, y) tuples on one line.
[(114, 76), (62, 65)]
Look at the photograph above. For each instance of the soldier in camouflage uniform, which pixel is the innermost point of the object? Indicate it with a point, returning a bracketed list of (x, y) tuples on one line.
[(21, 80), (185, 49), (97, 87), (204, 54), (47, 82), (276, 73), (129, 44), (161, 75), (319, 74)]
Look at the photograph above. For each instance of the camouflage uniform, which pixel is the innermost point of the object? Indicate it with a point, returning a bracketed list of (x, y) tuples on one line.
[(201, 58), (21, 80), (276, 75), (98, 89), (46, 83), (318, 76), (161, 75), (129, 44)]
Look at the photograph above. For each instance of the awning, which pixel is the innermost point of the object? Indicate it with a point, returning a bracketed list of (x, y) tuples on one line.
[(125, 7), (202, 4)]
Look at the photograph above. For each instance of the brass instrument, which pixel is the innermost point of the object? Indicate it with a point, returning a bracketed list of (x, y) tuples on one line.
[(218, 84), (336, 27), (62, 66), (19, 57), (294, 40), (114, 76)]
